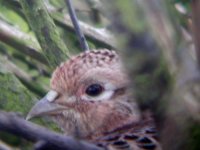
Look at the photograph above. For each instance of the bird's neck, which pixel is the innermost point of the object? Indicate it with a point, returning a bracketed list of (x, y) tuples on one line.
[(87, 120)]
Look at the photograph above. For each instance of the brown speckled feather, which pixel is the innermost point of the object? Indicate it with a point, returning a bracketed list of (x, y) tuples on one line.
[(135, 136)]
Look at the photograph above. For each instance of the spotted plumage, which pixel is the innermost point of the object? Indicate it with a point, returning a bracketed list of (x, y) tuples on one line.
[(90, 98), (134, 136)]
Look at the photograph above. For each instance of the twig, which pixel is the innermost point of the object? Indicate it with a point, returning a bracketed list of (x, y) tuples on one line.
[(20, 73), (74, 19), (195, 25), (13, 124), (100, 36), (4, 146), (25, 78), (20, 41), (46, 32)]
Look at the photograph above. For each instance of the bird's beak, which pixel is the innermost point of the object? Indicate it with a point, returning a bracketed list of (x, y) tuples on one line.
[(45, 106)]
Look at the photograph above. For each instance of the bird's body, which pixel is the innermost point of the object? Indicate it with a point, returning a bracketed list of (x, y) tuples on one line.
[(134, 136), (90, 99)]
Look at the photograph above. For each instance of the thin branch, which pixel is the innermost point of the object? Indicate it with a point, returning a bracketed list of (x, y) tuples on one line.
[(74, 19), (21, 41), (4, 146), (100, 36), (46, 32), (13, 124), (24, 77), (196, 26), (20, 73)]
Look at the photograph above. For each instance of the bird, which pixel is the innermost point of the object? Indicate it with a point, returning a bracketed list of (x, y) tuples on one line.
[(91, 98)]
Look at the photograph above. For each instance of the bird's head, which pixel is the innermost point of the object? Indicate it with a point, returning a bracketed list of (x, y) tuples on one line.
[(86, 89)]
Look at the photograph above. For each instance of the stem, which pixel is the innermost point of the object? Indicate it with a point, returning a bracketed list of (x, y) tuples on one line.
[(45, 30), (196, 26), (74, 19), (13, 124)]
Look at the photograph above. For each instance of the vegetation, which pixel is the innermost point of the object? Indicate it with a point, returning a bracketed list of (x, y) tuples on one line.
[(158, 40)]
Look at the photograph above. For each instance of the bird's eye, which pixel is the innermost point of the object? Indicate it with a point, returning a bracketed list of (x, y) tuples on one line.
[(94, 90)]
